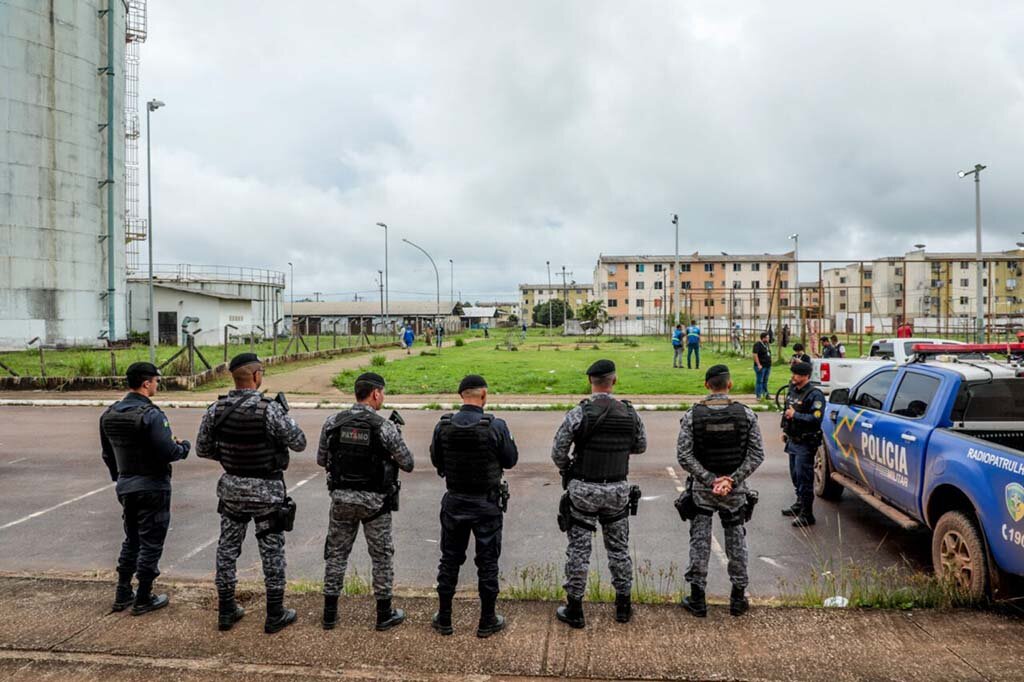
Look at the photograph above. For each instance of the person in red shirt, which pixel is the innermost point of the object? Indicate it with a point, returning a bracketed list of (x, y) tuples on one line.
[(904, 331)]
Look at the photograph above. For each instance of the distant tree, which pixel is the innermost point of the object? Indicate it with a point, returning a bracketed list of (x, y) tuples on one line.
[(593, 311), (458, 310), (554, 310), (513, 318)]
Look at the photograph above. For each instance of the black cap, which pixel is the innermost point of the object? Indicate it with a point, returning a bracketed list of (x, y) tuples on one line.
[(601, 368), (242, 359), (472, 381), (803, 369), (371, 378), (716, 371), (143, 370)]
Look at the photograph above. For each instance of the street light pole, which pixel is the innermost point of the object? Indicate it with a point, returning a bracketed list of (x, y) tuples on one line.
[(451, 281), (675, 270), (980, 306), (548, 263), (151, 106), (387, 303), (437, 282), (291, 292), (796, 276)]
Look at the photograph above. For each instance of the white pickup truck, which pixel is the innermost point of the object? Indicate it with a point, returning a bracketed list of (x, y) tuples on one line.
[(832, 373)]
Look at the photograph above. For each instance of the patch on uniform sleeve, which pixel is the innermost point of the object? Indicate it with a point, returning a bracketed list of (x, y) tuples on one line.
[(817, 414), (818, 405), (167, 424)]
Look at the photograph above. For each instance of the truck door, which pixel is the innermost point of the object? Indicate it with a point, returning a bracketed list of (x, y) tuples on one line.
[(855, 423), (900, 437)]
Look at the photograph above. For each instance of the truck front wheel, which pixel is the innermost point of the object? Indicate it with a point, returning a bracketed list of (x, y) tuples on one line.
[(958, 554), (824, 486)]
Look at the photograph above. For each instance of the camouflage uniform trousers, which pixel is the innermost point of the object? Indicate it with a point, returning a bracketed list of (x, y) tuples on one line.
[(349, 509), (602, 499), (249, 497), (731, 506)]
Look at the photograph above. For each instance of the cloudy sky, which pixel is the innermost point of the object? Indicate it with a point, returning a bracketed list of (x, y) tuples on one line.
[(503, 135)]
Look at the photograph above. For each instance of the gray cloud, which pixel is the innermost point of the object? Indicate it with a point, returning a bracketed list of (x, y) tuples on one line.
[(504, 135)]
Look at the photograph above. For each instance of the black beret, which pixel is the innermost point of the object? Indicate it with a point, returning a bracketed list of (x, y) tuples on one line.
[(371, 378), (242, 359), (715, 371), (472, 381), (803, 369), (143, 369), (601, 368)]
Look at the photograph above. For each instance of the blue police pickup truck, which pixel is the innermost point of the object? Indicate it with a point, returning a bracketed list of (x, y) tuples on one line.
[(938, 443)]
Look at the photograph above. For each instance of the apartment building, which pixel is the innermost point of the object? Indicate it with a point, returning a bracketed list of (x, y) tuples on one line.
[(847, 289), (944, 285), (711, 286), (574, 293)]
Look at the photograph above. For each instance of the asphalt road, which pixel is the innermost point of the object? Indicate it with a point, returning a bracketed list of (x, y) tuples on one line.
[(58, 511)]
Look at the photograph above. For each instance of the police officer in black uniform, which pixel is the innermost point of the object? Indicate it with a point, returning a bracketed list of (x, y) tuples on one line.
[(138, 449), (470, 449), (801, 424)]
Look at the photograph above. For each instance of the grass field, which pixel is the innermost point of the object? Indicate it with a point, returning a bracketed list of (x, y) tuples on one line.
[(83, 362), (557, 365)]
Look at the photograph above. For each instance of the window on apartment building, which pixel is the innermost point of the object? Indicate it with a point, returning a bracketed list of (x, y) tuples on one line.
[(658, 267), (867, 305), (842, 306), (709, 267), (756, 302), (842, 280), (709, 303), (963, 300), (737, 267), (684, 267), (984, 300), (842, 292), (867, 274), (984, 281), (686, 285), (867, 291), (964, 264), (783, 301), (784, 267), (898, 272), (899, 302), (737, 284), (709, 285), (639, 303), (612, 286), (965, 282), (755, 267), (638, 285), (612, 269), (639, 267), (657, 285), (613, 303), (785, 285), (756, 284)]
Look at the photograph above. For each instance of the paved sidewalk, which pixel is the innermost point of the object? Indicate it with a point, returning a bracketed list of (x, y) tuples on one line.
[(62, 629)]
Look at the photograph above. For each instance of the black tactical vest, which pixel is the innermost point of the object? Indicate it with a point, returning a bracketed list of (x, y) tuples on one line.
[(802, 401), (130, 443), (720, 436), (603, 441), (357, 459), (471, 466), (243, 445)]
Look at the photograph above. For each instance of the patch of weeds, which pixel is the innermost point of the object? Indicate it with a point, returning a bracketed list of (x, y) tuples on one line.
[(433, 406), (536, 583), (544, 583), (355, 585), (459, 343), (379, 360), (86, 365), (427, 353)]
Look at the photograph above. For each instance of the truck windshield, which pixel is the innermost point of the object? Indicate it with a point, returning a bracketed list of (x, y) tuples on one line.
[(882, 349), (999, 400)]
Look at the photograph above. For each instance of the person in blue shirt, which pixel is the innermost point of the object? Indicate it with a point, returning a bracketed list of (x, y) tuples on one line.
[(677, 346), (692, 343), (407, 338)]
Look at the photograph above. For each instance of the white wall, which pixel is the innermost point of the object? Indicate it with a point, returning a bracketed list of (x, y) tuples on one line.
[(213, 313)]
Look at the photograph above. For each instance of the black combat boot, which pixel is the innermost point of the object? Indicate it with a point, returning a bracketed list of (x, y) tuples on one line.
[(123, 596), (330, 611), (804, 518), (146, 601), (623, 608), (442, 620), (490, 622), (792, 510), (696, 603), (572, 613), (228, 610), (388, 617), (738, 602), (278, 617)]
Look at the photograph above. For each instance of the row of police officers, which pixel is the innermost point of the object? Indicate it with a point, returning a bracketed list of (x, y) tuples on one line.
[(250, 435)]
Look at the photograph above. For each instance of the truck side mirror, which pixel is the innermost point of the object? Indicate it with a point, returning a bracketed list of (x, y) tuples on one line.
[(840, 396)]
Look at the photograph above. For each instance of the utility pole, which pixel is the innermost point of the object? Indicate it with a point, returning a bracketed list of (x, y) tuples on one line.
[(548, 263), (565, 299), (151, 106), (380, 280), (387, 303), (980, 321), (675, 270), (316, 296), (451, 282)]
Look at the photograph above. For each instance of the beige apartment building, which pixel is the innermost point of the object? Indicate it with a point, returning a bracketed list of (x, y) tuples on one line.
[(725, 286), (573, 293)]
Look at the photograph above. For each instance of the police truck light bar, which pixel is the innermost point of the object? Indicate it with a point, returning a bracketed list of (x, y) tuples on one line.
[(967, 348)]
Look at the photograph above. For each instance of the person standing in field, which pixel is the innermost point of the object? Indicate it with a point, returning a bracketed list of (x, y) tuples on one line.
[(677, 346), (408, 336), (692, 343)]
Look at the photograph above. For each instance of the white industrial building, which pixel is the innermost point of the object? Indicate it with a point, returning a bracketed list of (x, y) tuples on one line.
[(357, 317)]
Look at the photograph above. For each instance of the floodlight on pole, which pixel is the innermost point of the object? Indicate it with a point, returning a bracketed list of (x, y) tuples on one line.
[(675, 271), (151, 106), (980, 303)]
